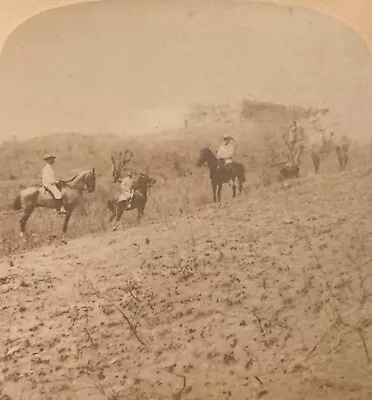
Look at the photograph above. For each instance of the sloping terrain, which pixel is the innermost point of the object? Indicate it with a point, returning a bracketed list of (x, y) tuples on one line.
[(265, 297)]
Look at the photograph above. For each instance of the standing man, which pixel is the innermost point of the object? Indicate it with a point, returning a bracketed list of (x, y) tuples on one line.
[(50, 182), (295, 141)]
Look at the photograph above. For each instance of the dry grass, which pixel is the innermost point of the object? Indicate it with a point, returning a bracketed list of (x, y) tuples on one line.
[(171, 158)]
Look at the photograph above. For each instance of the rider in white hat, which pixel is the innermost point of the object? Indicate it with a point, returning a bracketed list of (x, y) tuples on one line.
[(226, 151), (50, 182)]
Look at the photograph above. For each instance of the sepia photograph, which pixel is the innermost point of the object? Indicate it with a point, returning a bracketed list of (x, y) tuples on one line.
[(185, 199)]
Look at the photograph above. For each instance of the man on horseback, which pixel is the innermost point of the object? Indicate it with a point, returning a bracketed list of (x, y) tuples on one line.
[(127, 190), (51, 184), (226, 152)]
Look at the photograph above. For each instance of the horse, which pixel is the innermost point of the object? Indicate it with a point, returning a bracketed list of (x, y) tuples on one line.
[(141, 192), (320, 147), (30, 198), (221, 174)]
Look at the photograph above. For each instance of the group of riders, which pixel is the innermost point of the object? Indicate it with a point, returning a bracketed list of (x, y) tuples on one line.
[(54, 185), (294, 139)]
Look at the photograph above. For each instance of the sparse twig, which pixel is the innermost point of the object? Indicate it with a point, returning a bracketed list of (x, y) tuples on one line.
[(258, 319), (130, 291), (362, 338), (258, 380), (131, 326), (97, 385), (178, 394)]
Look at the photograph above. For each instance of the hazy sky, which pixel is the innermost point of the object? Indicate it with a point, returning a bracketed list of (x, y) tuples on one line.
[(121, 66), (356, 13)]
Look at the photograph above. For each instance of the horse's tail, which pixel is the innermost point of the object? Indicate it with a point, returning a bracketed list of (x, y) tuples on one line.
[(17, 205)]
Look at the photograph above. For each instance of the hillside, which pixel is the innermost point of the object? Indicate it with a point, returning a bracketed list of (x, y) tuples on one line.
[(169, 156), (266, 297)]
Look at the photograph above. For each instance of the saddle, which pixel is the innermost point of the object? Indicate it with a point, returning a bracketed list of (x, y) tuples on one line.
[(225, 164), (60, 185)]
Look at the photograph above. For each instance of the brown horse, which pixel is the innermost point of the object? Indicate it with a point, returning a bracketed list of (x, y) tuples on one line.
[(30, 198), (141, 191), (221, 174)]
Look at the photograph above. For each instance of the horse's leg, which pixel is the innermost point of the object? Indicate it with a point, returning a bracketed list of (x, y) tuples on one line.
[(343, 157), (120, 209), (140, 210), (113, 211), (346, 159), (25, 216), (340, 158), (66, 221), (240, 183), (214, 187), (219, 188), (316, 161), (111, 205), (233, 187)]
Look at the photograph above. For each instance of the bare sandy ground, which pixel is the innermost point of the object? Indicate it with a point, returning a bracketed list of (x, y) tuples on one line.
[(265, 297)]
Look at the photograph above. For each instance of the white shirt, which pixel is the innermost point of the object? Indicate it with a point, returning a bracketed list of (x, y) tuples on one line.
[(126, 184), (226, 150), (48, 177)]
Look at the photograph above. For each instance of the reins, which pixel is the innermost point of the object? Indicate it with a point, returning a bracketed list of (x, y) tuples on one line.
[(65, 183), (74, 188)]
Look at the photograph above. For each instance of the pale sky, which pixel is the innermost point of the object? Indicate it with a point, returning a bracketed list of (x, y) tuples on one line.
[(356, 13), (51, 86)]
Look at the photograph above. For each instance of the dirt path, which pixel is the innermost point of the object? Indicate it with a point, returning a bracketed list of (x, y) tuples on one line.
[(267, 297)]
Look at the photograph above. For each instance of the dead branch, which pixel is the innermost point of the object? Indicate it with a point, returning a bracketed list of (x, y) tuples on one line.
[(130, 288), (100, 296), (311, 351), (178, 394), (97, 385), (258, 380), (362, 338), (258, 319)]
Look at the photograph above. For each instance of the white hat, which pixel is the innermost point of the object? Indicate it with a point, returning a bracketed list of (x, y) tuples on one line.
[(48, 156)]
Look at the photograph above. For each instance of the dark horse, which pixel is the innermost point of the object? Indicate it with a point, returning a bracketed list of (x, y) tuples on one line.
[(221, 174), (141, 191)]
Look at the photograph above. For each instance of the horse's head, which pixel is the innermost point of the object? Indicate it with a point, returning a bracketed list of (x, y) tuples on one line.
[(203, 156), (144, 182), (90, 180), (119, 163)]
